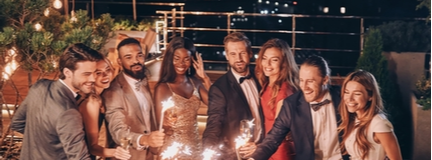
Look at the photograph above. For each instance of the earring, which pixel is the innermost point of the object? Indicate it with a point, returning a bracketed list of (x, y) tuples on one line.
[(189, 72)]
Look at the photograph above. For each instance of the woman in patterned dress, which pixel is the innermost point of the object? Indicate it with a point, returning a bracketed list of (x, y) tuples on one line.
[(187, 86)]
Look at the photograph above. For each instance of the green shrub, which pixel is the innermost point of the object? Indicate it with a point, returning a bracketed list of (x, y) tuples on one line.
[(424, 92), (402, 36)]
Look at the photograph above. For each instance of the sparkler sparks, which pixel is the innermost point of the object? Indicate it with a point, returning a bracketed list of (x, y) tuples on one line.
[(208, 154), (165, 106)]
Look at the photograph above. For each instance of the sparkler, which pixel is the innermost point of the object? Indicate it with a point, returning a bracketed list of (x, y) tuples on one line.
[(208, 154), (171, 151), (245, 135), (240, 141), (251, 123), (165, 106), (176, 148), (187, 150)]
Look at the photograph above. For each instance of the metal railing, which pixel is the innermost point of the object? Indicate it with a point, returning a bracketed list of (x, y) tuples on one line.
[(171, 17)]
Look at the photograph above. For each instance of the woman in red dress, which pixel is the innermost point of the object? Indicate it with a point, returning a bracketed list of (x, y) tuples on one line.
[(277, 72)]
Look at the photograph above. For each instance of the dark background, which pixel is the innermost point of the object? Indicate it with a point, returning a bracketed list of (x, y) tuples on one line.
[(341, 62)]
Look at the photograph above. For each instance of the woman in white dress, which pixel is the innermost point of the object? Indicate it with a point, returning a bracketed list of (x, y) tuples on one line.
[(367, 134)]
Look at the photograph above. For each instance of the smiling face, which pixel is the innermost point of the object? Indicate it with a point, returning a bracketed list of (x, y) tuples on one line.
[(82, 79), (312, 83), (238, 57), (131, 58), (181, 61), (104, 74), (271, 62), (355, 97)]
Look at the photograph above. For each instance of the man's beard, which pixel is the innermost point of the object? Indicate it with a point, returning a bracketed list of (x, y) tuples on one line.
[(141, 74), (238, 70)]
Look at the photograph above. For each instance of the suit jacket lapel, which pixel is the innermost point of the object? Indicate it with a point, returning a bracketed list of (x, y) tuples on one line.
[(66, 91), (236, 86), (130, 96), (260, 109), (153, 125), (307, 119)]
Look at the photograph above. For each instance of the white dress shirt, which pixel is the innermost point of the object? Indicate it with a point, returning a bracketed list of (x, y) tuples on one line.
[(250, 90), (325, 131), (144, 101)]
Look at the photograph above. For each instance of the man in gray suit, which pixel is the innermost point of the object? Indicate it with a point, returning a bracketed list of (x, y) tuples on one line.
[(48, 116), (129, 103)]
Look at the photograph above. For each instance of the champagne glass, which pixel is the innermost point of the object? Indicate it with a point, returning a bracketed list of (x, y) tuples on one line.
[(245, 130), (125, 141)]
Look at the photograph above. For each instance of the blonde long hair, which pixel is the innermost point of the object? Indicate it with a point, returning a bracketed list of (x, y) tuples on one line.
[(372, 108), (288, 68)]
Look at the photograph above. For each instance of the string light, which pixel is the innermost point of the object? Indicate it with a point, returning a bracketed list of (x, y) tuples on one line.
[(73, 17), (46, 12), (343, 10), (57, 4), (326, 9), (38, 26), (11, 66)]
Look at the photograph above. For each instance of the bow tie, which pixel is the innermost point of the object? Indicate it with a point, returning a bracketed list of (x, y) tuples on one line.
[(138, 85), (317, 106), (78, 96), (244, 78)]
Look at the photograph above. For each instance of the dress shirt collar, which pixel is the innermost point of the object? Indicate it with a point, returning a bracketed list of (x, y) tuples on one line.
[(237, 76), (73, 92), (133, 82), (326, 96)]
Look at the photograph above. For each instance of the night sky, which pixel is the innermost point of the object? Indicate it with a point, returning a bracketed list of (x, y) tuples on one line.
[(342, 62)]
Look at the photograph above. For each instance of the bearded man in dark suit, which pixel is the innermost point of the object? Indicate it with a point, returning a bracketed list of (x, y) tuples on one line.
[(232, 98)]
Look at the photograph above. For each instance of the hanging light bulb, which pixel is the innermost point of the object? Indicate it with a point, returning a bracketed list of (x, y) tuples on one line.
[(12, 51), (73, 17), (38, 26), (342, 10), (57, 4), (46, 12), (10, 66), (326, 9)]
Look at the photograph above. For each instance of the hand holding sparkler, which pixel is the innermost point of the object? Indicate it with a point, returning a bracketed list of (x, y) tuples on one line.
[(247, 149), (165, 106), (243, 146), (154, 139)]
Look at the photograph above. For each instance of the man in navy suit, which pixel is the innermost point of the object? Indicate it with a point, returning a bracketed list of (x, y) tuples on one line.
[(310, 114), (232, 98)]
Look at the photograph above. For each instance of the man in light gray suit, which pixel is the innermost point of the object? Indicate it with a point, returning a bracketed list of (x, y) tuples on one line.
[(48, 116), (129, 103)]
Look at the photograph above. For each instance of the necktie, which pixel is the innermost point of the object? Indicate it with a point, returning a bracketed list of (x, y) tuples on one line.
[(78, 96), (244, 78), (317, 106)]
